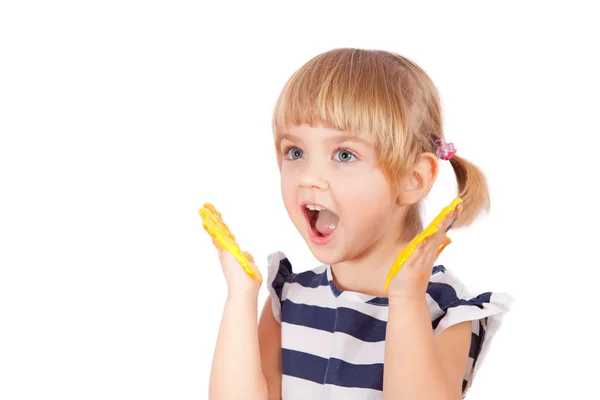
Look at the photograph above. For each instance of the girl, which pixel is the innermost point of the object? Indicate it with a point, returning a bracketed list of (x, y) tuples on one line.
[(358, 135)]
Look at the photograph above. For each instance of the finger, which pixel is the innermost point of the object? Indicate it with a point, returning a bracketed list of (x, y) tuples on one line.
[(436, 239), (430, 253), (442, 246), (423, 260), (432, 242), (217, 244), (454, 216), (423, 244), (448, 222), (248, 257), (252, 265), (416, 257)]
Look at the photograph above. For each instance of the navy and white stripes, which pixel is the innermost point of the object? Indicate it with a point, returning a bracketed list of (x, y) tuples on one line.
[(333, 341)]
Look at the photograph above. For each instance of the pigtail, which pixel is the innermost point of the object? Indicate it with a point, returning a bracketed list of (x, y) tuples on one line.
[(472, 189)]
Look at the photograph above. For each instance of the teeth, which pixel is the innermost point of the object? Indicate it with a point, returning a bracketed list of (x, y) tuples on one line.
[(314, 207)]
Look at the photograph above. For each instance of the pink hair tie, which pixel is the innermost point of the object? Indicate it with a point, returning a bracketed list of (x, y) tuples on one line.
[(444, 150)]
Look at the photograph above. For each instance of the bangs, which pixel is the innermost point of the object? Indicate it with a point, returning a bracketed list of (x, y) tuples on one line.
[(348, 90)]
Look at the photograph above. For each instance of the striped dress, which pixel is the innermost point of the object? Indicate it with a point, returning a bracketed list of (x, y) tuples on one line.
[(333, 341)]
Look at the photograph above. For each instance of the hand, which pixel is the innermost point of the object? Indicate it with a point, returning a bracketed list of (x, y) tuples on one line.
[(410, 283), (238, 281)]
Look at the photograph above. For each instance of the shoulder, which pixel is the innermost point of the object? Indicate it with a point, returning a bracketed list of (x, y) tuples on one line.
[(451, 304), (448, 291), (280, 271), (281, 280)]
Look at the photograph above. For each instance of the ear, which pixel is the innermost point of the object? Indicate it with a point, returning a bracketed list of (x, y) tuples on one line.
[(419, 180)]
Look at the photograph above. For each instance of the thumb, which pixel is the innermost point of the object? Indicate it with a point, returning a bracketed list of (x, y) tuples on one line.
[(252, 264), (217, 244), (445, 242)]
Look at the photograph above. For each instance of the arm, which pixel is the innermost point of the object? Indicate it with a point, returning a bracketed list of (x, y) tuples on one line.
[(417, 364), (269, 338), (236, 370)]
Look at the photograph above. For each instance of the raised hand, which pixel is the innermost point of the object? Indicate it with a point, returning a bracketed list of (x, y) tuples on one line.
[(410, 273), (238, 266)]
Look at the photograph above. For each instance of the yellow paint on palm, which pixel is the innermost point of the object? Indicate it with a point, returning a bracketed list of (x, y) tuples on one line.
[(406, 252), (212, 221)]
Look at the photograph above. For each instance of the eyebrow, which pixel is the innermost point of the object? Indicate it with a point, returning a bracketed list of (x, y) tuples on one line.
[(335, 139)]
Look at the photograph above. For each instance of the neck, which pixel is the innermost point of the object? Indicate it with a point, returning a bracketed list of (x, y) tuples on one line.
[(367, 272)]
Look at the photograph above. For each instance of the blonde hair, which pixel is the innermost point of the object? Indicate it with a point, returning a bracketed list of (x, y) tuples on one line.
[(386, 100)]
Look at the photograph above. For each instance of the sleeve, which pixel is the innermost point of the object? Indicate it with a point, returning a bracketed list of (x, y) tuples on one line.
[(450, 303), (279, 271)]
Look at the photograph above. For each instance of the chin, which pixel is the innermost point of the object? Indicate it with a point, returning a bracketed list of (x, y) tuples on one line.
[(327, 255)]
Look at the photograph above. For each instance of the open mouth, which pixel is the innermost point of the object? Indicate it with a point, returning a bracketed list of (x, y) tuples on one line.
[(322, 222)]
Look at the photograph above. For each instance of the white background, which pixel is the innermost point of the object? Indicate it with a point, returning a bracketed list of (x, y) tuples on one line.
[(119, 119)]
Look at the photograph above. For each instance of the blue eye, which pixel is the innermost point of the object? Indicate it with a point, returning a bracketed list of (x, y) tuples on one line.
[(345, 156), (293, 153)]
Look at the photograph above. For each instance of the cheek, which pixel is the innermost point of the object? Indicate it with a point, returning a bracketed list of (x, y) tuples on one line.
[(366, 189), (288, 193), (371, 202)]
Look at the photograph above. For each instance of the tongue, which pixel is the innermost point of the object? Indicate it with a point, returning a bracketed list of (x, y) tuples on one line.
[(326, 222)]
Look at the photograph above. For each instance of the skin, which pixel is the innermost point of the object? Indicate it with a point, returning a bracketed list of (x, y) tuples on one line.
[(326, 167), (237, 352)]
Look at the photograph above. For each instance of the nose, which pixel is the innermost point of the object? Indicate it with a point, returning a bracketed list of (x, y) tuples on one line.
[(313, 176)]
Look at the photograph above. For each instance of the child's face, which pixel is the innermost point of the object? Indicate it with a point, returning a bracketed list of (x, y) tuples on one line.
[(327, 168)]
